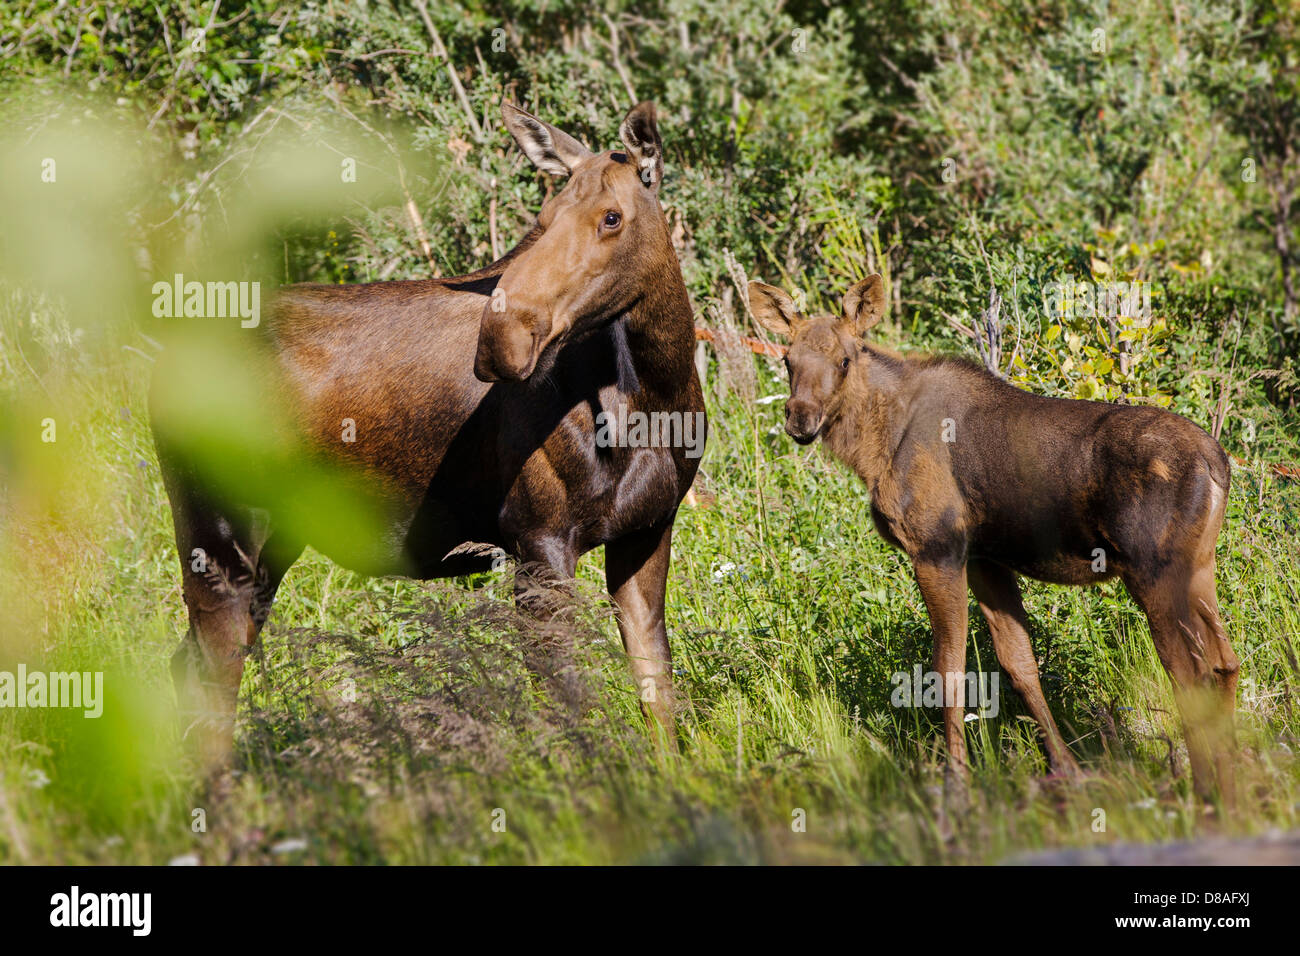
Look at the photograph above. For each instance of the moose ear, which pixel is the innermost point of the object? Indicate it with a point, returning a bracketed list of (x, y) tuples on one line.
[(551, 150), (774, 309), (640, 134), (864, 303)]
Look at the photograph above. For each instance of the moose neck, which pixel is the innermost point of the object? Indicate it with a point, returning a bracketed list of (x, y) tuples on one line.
[(864, 426), (484, 280), (655, 338)]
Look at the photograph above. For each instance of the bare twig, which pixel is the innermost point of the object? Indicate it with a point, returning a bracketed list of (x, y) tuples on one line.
[(76, 42), (363, 57), (1221, 411), (986, 332), (441, 52), (492, 223), (421, 234), (612, 43)]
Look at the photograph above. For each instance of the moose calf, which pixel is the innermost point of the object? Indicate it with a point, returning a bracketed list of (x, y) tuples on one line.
[(979, 482)]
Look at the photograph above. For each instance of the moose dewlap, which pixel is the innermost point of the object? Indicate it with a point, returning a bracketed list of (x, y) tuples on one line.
[(980, 482)]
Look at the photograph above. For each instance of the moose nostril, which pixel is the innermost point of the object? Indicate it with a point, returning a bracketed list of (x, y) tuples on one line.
[(485, 368)]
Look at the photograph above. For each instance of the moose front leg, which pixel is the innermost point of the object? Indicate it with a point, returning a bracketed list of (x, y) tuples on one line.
[(543, 581), (943, 586), (636, 573), (544, 593), (998, 593)]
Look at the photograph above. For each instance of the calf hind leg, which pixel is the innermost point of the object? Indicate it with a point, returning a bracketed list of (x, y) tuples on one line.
[(1195, 652)]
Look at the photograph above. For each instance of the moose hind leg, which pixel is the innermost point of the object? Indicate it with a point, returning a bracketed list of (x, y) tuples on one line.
[(1203, 675), (206, 670), (229, 580)]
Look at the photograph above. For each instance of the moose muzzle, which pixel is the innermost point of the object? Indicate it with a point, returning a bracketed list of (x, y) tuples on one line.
[(509, 343), (803, 419)]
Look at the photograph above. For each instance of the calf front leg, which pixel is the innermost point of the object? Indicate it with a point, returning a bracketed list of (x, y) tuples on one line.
[(636, 573), (943, 586), (998, 593)]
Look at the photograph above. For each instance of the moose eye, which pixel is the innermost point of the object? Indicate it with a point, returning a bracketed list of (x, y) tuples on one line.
[(612, 220), (845, 364)]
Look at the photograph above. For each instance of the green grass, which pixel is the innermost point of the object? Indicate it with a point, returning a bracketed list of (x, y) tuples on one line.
[(787, 616)]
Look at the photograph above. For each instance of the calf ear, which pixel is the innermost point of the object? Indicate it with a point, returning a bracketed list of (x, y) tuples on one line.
[(774, 310), (864, 303), (640, 134), (551, 150)]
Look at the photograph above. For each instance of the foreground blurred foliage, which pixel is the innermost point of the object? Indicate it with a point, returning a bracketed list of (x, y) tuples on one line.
[(981, 157)]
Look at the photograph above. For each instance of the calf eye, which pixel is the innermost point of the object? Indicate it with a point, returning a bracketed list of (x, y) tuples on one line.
[(844, 364), (612, 220)]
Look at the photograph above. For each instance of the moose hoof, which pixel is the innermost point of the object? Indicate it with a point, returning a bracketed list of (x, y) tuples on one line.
[(206, 716)]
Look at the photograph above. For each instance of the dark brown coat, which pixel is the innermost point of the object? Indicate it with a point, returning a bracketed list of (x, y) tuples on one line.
[(979, 481), (441, 455)]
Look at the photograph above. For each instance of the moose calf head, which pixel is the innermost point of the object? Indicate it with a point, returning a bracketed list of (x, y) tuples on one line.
[(822, 350), (603, 240)]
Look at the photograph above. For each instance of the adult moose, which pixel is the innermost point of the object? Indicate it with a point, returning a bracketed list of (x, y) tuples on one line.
[(979, 482), (473, 406)]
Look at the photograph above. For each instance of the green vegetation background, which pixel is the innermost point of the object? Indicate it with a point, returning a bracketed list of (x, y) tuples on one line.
[(965, 150)]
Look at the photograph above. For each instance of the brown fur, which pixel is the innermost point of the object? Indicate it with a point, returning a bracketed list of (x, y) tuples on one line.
[(504, 458), (979, 482)]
